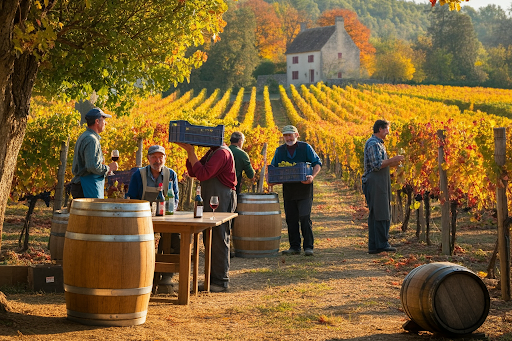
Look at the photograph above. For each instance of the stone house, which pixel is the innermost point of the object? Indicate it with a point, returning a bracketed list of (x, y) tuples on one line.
[(322, 54)]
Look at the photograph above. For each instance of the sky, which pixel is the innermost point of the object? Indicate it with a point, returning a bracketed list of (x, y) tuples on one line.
[(476, 4)]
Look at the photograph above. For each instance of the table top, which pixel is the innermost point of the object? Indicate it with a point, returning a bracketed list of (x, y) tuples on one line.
[(187, 218)]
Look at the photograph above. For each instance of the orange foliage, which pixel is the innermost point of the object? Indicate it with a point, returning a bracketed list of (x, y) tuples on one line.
[(270, 39), (359, 33), (290, 20)]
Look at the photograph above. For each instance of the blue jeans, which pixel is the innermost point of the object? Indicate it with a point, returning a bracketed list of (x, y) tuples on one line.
[(299, 211)]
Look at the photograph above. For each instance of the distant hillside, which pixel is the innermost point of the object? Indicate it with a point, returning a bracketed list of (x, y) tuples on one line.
[(385, 18)]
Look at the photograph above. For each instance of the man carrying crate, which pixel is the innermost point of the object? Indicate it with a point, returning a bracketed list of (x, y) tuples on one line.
[(298, 196)]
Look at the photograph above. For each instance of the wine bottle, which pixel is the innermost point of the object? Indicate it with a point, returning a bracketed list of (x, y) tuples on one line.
[(198, 204), (160, 201), (169, 200)]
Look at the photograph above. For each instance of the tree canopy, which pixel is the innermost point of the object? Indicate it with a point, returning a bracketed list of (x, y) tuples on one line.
[(73, 47)]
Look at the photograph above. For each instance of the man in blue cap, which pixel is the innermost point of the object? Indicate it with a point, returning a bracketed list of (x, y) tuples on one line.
[(298, 196), (88, 168)]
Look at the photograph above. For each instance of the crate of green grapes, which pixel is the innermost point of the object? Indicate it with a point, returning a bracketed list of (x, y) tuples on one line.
[(289, 172)]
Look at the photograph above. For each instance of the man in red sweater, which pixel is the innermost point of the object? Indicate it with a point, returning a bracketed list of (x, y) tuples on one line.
[(216, 172)]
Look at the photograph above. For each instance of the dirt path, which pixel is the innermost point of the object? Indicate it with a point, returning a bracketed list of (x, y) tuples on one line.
[(340, 293)]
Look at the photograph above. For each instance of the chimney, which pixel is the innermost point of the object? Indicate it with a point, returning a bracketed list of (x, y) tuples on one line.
[(339, 20), (303, 26)]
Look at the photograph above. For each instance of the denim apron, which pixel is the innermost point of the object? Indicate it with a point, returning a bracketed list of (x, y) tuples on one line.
[(93, 186)]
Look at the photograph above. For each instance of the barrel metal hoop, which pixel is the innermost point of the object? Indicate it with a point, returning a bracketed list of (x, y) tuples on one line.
[(107, 316), (256, 239), (259, 213), (256, 202), (58, 234), (108, 292), (115, 323), (257, 251), (112, 213), (110, 237), (60, 221), (257, 196)]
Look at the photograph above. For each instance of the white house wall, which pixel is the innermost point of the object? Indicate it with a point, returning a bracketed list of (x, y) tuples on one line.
[(349, 64), (303, 67)]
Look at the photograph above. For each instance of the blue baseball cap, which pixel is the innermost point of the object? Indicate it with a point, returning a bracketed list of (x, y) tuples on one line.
[(95, 113)]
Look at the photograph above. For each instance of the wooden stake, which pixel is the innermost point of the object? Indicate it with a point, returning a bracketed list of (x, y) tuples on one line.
[(500, 142), (443, 197), (262, 173), (61, 176)]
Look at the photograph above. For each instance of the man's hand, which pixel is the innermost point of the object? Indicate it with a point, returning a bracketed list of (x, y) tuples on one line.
[(191, 153), (309, 179), (113, 166)]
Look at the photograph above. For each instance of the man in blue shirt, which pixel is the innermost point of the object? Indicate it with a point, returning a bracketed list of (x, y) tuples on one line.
[(144, 185), (376, 184), (88, 168), (298, 197)]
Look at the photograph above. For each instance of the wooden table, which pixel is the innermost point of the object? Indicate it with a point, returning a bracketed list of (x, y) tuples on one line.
[(185, 224)]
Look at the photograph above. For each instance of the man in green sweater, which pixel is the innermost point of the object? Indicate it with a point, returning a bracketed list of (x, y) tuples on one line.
[(242, 162)]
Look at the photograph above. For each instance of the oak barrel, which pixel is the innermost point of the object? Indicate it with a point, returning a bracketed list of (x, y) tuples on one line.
[(57, 234), (257, 229), (446, 298), (109, 261)]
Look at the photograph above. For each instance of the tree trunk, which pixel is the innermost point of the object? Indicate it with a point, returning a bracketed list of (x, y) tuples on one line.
[(25, 232), (17, 76), (408, 191), (426, 202)]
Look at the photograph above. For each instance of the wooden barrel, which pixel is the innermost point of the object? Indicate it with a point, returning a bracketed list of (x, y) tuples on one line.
[(57, 234), (257, 229), (445, 298), (109, 261)]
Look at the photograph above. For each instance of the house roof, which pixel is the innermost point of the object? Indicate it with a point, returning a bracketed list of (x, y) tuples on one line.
[(312, 39)]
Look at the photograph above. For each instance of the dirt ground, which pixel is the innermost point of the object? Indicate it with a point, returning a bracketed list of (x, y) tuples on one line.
[(341, 293)]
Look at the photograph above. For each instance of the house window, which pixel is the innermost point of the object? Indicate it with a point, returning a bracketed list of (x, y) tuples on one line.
[(310, 58), (295, 60), (339, 74), (295, 74), (339, 55)]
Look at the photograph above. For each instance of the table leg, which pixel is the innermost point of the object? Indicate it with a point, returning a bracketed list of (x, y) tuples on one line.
[(195, 270), (185, 259), (207, 257)]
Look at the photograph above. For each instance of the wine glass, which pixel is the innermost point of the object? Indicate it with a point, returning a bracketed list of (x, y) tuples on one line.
[(401, 151), (115, 157), (214, 203)]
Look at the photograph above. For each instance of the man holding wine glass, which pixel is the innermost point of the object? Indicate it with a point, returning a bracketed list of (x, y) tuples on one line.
[(88, 168), (144, 186), (216, 172), (376, 183)]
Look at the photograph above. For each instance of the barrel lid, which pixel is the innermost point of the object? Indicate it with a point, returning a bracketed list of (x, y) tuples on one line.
[(93, 206)]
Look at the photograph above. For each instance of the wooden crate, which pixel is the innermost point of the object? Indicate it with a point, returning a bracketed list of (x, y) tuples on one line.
[(47, 278)]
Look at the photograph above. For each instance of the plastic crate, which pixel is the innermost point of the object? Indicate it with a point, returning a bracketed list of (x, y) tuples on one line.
[(295, 173), (182, 131)]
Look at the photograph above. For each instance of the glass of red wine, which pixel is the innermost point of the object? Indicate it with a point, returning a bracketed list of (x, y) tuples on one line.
[(214, 203), (115, 157)]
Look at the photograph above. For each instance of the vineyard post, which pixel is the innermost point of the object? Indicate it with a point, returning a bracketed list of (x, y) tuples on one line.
[(262, 173), (423, 223), (61, 176), (443, 197), (138, 155), (500, 144)]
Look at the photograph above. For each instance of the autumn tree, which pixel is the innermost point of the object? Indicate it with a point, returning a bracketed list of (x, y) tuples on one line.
[(270, 39), (233, 59), (359, 33), (75, 47), (393, 62), (290, 19)]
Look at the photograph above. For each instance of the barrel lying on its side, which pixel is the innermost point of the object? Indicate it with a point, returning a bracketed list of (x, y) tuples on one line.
[(445, 298)]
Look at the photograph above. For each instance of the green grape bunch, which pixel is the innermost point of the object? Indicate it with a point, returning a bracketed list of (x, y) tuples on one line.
[(286, 164)]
